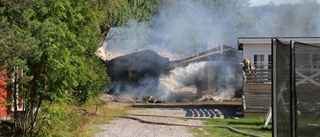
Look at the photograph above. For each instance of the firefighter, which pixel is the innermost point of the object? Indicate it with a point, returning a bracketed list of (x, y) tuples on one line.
[(247, 67)]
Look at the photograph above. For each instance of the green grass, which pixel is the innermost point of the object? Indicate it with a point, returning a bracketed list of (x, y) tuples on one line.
[(85, 126), (108, 113), (248, 125)]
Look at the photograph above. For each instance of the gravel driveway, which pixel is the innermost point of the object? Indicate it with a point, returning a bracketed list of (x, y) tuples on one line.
[(132, 128), (123, 127)]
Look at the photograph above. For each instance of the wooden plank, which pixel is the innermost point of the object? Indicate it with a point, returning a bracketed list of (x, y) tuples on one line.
[(257, 89), (256, 110), (264, 107), (257, 77), (253, 94), (258, 81), (256, 94), (264, 92), (260, 104), (258, 74), (259, 70), (257, 97), (255, 113), (261, 92), (257, 86), (267, 91), (257, 106), (253, 90), (252, 103), (258, 100), (256, 103)]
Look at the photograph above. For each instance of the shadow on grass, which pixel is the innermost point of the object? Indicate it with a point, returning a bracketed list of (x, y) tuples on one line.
[(246, 123)]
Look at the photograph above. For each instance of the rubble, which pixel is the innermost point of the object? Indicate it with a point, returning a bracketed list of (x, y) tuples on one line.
[(150, 99)]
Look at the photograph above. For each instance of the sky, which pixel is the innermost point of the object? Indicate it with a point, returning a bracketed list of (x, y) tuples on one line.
[(277, 2)]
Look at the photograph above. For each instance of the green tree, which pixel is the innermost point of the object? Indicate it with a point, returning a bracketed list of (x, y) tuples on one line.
[(53, 42), (119, 12)]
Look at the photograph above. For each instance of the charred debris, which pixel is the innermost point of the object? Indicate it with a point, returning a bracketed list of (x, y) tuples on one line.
[(135, 76)]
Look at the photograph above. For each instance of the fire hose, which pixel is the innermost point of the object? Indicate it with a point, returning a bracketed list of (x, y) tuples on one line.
[(173, 124)]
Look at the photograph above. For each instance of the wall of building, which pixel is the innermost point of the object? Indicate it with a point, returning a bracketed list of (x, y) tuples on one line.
[(250, 49), (3, 93)]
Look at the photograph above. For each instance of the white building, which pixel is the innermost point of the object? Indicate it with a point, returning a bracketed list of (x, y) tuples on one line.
[(258, 49), (257, 89)]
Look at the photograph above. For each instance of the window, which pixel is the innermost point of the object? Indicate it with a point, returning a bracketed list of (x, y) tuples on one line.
[(261, 60), (258, 61)]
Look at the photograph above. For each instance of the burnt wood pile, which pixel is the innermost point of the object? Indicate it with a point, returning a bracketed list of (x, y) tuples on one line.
[(151, 99)]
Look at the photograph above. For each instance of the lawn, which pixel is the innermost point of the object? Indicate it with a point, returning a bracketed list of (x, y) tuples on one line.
[(248, 125)]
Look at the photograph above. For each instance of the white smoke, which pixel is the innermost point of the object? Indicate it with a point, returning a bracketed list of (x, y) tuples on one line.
[(187, 75), (178, 78), (178, 25), (287, 20), (277, 2), (181, 24), (226, 93), (225, 82)]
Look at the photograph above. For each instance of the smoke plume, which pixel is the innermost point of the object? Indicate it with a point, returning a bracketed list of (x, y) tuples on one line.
[(287, 20), (181, 24)]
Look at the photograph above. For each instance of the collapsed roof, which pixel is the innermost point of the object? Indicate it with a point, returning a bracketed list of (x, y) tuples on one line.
[(135, 67)]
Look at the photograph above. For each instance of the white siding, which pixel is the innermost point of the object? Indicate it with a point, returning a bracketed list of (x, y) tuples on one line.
[(250, 49)]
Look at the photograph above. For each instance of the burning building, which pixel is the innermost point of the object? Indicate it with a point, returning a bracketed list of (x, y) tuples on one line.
[(138, 69), (146, 73)]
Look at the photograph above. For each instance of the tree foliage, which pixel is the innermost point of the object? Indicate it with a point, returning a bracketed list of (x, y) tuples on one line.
[(119, 12), (53, 42)]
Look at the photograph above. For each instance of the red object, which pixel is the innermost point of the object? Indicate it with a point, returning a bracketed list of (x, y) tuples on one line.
[(3, 92), (6, 97)]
